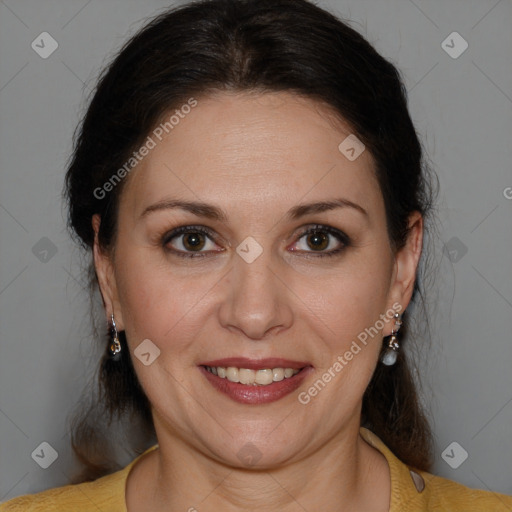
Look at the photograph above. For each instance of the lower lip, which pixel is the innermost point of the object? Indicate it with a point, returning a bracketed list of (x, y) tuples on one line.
[(247, 394)]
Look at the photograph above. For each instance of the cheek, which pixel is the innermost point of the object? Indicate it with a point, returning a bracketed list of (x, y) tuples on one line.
[(348, 301), (160, 303), (150, 302), (347, 323)]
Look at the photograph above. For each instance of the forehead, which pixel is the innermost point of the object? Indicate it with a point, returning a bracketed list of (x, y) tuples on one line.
[(262, 149)]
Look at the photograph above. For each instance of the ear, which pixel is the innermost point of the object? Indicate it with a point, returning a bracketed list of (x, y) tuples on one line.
[(106, 277), (406, 264)]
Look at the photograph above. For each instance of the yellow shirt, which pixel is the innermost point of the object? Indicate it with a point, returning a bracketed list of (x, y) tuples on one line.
[(411, 491)]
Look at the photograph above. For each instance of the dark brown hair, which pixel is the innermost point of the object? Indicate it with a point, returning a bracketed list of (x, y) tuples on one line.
[(246, 45)]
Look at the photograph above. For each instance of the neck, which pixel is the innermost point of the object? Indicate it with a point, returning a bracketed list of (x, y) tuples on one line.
[(344, 474)]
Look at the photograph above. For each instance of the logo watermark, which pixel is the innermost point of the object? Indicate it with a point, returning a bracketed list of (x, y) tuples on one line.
[(342, 361), (150, 143)]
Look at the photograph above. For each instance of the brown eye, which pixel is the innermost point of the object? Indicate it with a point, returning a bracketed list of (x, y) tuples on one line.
[(321, 241), (189, 241), (193, 241), (317, 241)]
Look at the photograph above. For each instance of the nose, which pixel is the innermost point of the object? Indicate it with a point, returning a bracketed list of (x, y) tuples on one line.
[(257, 301)]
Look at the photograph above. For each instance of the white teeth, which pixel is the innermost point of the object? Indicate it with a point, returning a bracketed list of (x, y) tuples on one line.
[(278, 374), (250, 377), (232, 374), (264, 377), (246, 376)]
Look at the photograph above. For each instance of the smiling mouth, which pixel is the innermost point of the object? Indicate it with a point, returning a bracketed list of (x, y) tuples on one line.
[(249, 377)]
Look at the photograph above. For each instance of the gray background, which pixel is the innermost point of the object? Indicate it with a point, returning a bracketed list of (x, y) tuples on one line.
[(462, 108)]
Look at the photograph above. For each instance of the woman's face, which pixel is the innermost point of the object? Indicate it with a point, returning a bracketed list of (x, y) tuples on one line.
[(253, 286)]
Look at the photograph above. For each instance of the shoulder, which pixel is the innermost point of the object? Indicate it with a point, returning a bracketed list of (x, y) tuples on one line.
[(418, 491), (106, 493), (102, 494), (61, 498), (446, 495)]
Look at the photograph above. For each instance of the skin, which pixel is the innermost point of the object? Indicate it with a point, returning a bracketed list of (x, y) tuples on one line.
[(255, 156)]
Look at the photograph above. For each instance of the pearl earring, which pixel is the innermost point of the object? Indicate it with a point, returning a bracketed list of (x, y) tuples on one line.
[(390, 355)]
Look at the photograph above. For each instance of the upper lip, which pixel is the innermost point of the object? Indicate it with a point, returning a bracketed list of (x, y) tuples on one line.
[(256, 364)]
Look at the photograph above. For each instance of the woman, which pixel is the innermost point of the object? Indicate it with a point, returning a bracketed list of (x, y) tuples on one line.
[(250, 184)]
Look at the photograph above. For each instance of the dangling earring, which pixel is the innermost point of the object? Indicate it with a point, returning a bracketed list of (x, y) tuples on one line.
[(114, 347), (390, 355)]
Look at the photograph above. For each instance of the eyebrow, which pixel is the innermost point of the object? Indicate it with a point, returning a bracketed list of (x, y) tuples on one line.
[(210, 211)]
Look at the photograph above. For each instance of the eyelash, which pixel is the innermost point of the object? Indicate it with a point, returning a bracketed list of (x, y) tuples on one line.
[(342, 237)]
